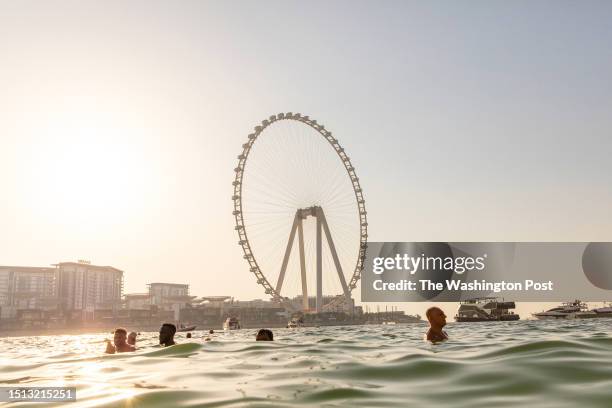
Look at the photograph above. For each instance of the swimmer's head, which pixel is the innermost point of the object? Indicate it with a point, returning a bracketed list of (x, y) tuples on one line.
[(166, 333), (120, 337), (131, 338), (436, 317), (188, 335), (264, 335)]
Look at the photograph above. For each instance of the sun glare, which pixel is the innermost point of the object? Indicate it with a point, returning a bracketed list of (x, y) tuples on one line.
[(87, 171)]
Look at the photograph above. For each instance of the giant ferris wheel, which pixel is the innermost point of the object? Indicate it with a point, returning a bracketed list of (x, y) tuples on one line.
[(300, 213)]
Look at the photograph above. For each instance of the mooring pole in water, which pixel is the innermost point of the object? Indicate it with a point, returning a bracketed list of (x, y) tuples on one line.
[(319, 266)]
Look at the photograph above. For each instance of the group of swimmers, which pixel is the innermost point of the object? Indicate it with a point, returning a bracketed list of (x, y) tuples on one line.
[(124, 342)]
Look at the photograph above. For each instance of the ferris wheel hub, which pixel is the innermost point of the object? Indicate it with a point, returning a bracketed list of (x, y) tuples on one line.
[(303, 213)]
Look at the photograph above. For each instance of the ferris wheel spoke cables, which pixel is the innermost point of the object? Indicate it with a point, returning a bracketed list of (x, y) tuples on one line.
[(299, 211)]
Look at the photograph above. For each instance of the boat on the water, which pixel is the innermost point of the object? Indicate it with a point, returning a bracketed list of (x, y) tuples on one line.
[(486, 309), (605, 311), (231, 323), (568, 310), (183, 328)]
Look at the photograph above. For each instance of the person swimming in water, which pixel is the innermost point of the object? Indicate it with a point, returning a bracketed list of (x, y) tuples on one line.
[(209, 337), (264, 335), (120, 342), (166, 334), (131, 339), (437, 320), (188, 335)]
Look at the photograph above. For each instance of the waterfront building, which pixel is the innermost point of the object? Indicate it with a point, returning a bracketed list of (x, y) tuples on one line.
[(170, 297), (212, 311), (27, 288), (86, 289), (216, 302), (166, 295), (137, 301), (254, 304), (334, 304)]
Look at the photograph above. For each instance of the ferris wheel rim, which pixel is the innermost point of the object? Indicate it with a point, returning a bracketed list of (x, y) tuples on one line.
[(237, 199)]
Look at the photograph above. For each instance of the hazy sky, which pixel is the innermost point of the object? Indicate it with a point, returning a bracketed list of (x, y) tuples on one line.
[(120, 123)]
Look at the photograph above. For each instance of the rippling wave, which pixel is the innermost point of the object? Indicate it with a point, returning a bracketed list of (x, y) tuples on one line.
[(528, 363)]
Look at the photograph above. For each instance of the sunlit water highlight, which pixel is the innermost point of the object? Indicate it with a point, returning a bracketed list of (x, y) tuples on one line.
[(527, 363)]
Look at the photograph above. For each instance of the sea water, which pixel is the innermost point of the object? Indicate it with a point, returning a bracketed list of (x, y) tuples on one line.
[(502, 364)]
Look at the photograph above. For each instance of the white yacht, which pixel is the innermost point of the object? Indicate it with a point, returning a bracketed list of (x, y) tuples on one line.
[(567, 310), (605, 311)]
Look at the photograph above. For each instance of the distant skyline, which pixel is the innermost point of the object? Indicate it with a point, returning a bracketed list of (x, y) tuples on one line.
[(120, 123)]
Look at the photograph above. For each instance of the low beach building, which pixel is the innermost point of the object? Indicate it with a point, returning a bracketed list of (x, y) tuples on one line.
[(137, 301), (170, 297)]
